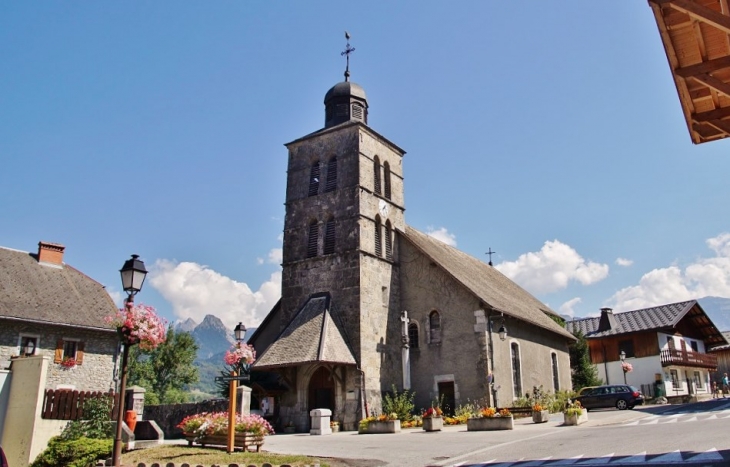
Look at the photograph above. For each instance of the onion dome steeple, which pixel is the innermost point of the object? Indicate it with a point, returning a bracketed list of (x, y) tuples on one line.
[(345, 101)]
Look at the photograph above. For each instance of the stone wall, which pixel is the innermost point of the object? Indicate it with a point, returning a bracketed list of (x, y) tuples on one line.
[(168, 416), (96, 373)]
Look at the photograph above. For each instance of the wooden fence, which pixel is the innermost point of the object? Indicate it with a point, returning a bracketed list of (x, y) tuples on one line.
[(66, 404)]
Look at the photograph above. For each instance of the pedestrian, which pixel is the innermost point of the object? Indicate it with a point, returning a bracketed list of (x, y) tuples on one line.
[(714, 390), (725, 386)]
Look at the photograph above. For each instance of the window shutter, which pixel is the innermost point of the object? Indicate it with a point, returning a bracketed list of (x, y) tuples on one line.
[(329, 237), (331, 175), (313, 240), (314, 180), (378, 237), (58, 355), (80, 353)]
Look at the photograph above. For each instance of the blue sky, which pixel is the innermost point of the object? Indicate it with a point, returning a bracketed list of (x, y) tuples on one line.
[(550, 132)]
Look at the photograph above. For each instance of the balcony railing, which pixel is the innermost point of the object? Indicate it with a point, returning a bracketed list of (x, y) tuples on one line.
[(685, 358)]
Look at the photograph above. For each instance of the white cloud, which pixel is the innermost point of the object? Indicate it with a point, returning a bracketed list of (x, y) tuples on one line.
[(567, 307), (624, 262), (276, 255), (117, 296), (552, 268), (705, 277), (195, 290), (442, 234)]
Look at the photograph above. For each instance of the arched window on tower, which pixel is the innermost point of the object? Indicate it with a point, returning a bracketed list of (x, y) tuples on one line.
[(413, 335), (376, 175), (378, 237), (434, 324), (386, 179), (516, 370), (388, 241), (314, 179), (313, 239), (331, 175), (329, 237)]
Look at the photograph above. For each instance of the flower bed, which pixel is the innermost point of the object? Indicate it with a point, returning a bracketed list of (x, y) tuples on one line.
[(211, 428), (244, 441)]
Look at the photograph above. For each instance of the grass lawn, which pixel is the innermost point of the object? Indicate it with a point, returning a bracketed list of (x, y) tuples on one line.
[(180, 454)]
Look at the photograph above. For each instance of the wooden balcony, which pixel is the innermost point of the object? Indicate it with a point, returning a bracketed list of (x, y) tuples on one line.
[(685, 358)]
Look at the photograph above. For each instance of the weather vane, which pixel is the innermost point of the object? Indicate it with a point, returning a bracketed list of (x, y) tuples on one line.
[(346, 53)]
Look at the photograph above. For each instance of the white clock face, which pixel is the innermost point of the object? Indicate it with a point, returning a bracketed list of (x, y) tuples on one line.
[(383, 208)]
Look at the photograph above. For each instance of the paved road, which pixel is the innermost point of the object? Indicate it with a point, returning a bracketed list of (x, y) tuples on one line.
[(610, 437)]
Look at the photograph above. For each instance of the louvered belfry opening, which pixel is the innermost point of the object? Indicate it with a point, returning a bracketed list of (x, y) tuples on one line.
[(329, 237), (313, 239), (388, 241), (386, 179), (314, 179), (378, 237), (376, 175), (331, 175)]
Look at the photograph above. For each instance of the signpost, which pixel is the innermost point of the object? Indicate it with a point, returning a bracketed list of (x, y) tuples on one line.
[(233, 379)]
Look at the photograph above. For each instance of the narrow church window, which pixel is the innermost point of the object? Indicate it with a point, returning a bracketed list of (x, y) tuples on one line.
[(434, 321), (314, 179), (331, 175), (388, 241), (378, 237), (516, 370), (556, 381), (376, 175), (313, 239), (329, 237), (386, 179), (413, 335)]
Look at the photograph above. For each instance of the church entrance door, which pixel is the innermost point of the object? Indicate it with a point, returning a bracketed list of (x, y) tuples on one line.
[(447, 397), (321, 390)]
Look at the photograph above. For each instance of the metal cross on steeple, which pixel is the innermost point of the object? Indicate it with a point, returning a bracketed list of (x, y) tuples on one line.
[(490, 253), (346, 53)]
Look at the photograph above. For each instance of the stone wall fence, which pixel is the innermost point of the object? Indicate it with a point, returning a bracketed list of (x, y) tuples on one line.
[(169, 415)]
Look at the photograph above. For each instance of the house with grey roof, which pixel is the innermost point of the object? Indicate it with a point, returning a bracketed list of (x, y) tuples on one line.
[(667, 348), (369, 303), (49, 308), (722, 352)]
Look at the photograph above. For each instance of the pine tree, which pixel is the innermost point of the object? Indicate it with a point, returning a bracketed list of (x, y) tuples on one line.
[(583, 373)]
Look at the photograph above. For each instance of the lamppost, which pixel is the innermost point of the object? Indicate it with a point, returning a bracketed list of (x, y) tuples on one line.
[(502, 331), (239, 331), (133, 274), (622, 356)]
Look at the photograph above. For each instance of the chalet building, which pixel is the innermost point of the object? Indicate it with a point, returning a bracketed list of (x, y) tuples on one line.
[(49, 308), (668, 344), (722, 353), (369, 303)]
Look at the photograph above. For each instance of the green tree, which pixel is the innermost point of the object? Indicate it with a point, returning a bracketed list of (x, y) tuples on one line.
[(166, 371), (583, 373)]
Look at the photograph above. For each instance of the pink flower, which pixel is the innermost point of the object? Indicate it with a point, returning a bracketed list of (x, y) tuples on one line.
[(139, 324), (627, 367), (240, 353)]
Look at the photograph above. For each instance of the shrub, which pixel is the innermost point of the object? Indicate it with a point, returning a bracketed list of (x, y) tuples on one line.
[(96, 421), (400, 403), (79, 452)]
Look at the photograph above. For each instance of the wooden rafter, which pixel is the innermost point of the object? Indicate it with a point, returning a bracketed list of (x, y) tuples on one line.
[(699, 12)]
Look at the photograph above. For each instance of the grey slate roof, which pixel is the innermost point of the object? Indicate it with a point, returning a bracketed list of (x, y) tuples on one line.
[(491, 286), (654, 318), (311, 336), (40, 293), (726, 335)]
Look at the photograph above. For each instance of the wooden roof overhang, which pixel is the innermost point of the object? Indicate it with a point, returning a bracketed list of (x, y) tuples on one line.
[(696, 38)]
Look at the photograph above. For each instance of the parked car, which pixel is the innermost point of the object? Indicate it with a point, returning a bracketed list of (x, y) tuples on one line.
[(620, 396), (586, 390)]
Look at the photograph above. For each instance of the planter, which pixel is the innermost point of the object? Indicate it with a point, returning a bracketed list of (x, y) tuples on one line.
[(490, 424), (244, 441), (574, 419), (433, 423), (130, 418), (541, 416), (335, 428), (389, 426)]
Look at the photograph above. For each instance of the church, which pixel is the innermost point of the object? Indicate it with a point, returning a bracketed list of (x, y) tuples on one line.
[(369, 303)]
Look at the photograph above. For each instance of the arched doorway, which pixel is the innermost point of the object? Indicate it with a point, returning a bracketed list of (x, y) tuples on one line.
[(321, 390)]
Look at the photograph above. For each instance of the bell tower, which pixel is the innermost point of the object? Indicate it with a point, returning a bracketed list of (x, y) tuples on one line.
[(344, 207)]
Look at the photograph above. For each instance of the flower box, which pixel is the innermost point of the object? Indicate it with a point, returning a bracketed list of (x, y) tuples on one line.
[(376, 427), (573, 419), (541, 416), (490, 424), (433, 423), (245, 441)]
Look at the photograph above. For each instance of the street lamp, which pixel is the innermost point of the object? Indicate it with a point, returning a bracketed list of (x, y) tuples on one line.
[(622, 356), (133, 274), (502, 331), (239, 331)]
